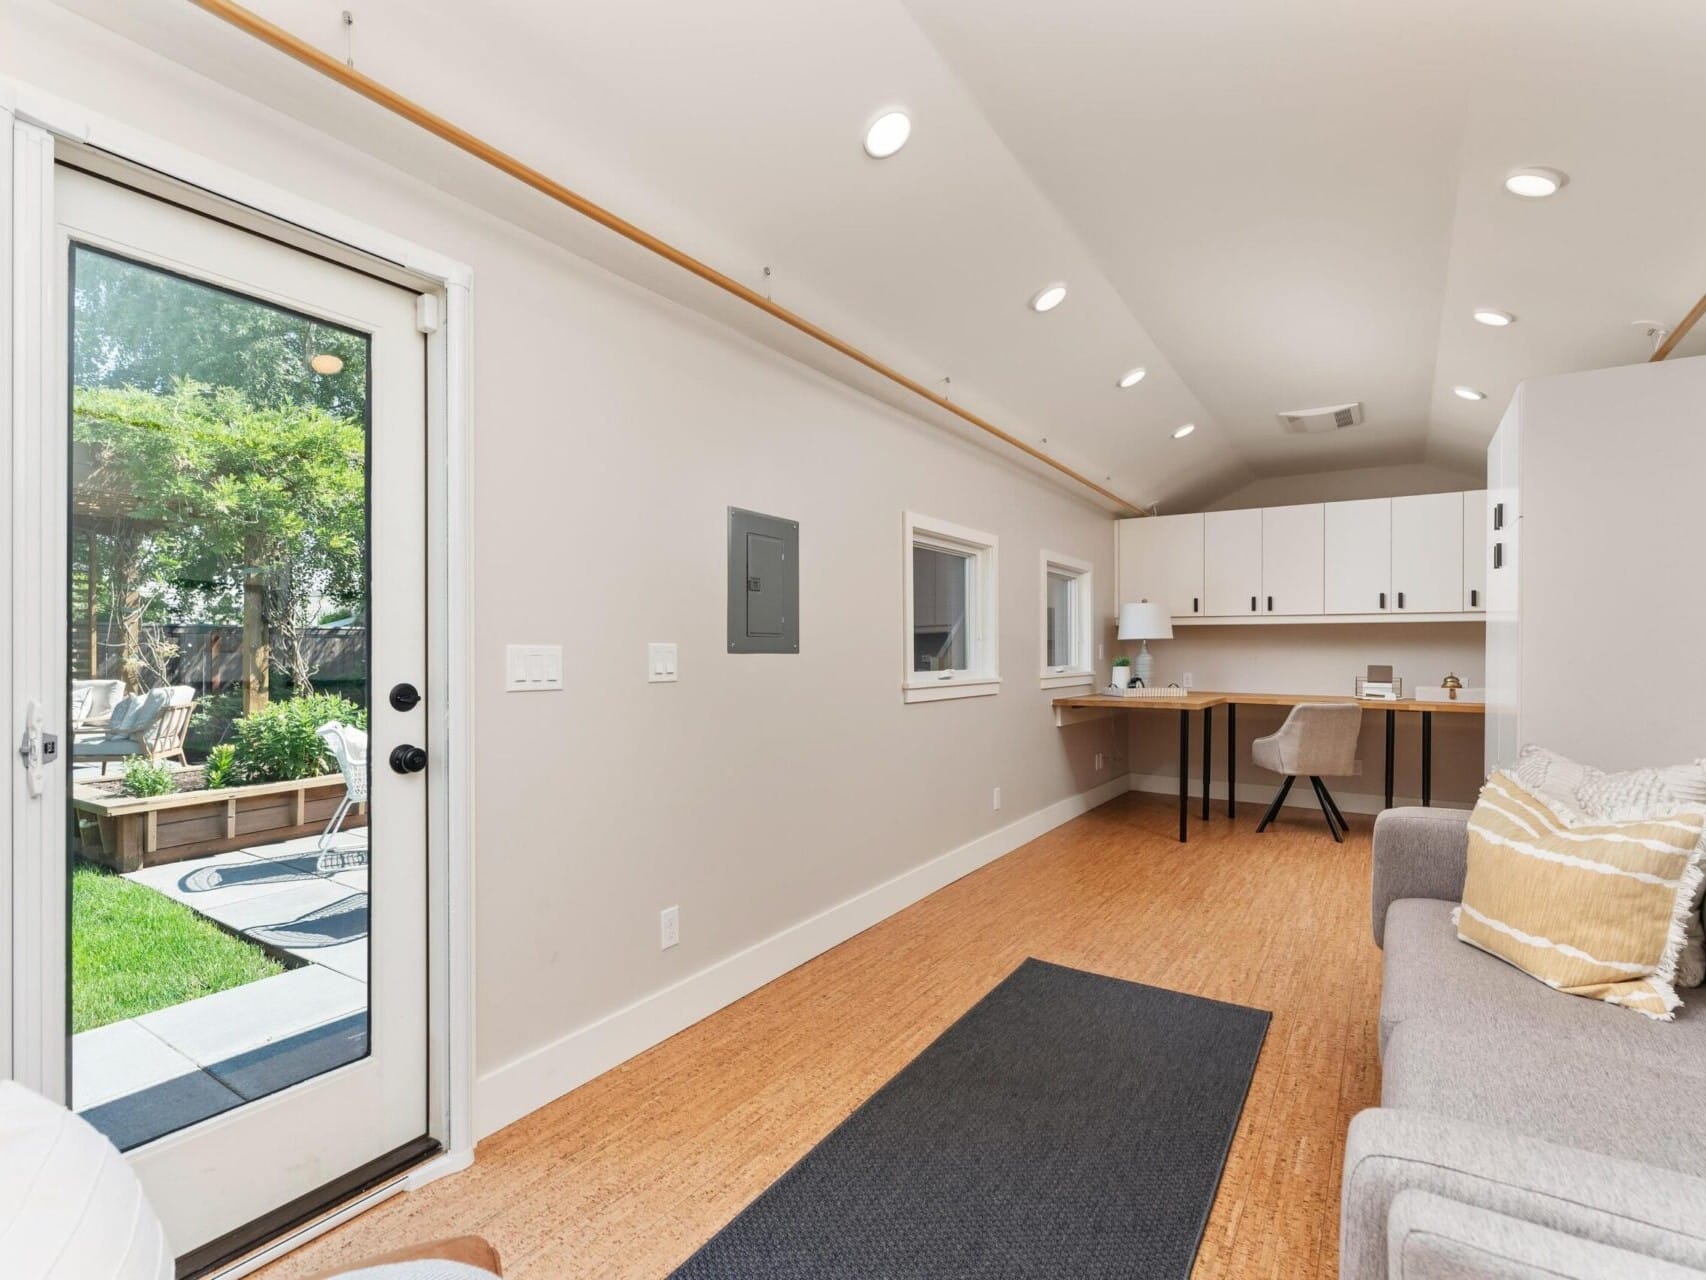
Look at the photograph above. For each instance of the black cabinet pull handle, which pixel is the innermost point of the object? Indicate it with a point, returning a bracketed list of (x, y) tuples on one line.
[(1382, 599), (1252, 604), (1498, 516), (1400, 599), (1498, 555), (1474, 597), (1194, 600), (1270, 604)]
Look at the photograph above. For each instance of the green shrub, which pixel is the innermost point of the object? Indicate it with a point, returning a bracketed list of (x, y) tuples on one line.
[(145, 778), (220, 767), (278, 743)]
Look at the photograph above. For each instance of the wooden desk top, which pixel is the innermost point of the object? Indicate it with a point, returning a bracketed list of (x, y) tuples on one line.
[(1202, 700)]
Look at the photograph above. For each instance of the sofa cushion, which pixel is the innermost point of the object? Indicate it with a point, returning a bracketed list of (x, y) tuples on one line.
[(1430, 974), (1549, 1088)]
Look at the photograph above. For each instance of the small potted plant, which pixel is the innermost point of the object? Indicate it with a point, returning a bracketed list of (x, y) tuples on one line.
[(1122, 673)]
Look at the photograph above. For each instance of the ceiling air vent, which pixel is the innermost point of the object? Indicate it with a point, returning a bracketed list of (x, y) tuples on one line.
[(1332, 417)]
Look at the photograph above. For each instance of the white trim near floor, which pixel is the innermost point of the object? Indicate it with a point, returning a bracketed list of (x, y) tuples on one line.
[(534, 1079), (40, 125)]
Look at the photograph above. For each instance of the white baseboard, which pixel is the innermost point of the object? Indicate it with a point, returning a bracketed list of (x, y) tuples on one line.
[(1302, 796), (505, 1094)]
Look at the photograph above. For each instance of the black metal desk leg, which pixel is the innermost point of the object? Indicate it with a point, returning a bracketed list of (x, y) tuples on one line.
[(1231, 757), (1427, 757), (1207, 736), (1391, 748), (1184, 772)]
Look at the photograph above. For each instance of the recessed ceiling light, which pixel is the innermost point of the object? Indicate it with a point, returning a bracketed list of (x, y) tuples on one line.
[(1180, 433), (326, 363), (1048, 298), (888, 134), (1131, 377), (1534, 184), (1495, 319), (1468, 393)]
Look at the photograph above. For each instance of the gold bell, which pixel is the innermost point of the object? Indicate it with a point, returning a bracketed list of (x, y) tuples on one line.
[(1451, 684)]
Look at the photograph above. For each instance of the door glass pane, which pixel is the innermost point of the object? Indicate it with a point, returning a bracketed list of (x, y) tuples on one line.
[(1060, 644), (939, 593), (218, 647)]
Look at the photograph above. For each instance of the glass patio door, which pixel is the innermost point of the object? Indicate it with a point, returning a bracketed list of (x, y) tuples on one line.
[(244, 811)]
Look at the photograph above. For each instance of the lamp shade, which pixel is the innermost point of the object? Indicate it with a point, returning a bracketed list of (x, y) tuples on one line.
[(1145, 620)]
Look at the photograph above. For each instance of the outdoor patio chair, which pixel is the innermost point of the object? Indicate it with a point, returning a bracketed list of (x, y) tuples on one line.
[(348, 746), (92, 701), (149, 726)]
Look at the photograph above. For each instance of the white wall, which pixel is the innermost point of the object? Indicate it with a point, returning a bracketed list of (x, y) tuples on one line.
[(1323, 658), (612, 430), (1349, 485)]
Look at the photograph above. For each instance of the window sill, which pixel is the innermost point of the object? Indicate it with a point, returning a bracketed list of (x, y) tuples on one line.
[(941, 690), (1067, 679)]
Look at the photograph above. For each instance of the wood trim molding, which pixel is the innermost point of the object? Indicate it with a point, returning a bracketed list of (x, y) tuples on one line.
[(1677, 334), (292, 46)]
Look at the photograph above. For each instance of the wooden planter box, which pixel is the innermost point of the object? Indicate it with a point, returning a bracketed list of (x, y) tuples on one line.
[(128, 833)]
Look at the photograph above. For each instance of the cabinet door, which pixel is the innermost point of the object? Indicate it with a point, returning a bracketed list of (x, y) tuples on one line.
[(1427, 553), (1359, 556), (1232, 563), (1475, 551), (1178, 549), (1161, 558), (1293, 559)]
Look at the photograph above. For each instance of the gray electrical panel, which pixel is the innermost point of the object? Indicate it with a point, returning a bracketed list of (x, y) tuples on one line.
[(764, 583)]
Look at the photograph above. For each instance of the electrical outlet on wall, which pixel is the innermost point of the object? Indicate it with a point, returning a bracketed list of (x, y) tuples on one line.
[(1098, 762), (669, 927), (1188, 680), (995, 799)]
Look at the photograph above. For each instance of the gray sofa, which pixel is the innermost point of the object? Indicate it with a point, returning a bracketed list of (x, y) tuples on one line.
[(1522, 1133)]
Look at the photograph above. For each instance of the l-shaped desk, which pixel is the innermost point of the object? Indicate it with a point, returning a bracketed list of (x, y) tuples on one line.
[(1070, 710)]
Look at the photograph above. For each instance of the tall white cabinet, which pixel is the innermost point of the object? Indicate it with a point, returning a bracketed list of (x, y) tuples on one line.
[(1596, 526)]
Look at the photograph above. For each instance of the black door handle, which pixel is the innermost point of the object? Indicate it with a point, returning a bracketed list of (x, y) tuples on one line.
[(405, 697), (408, 759)]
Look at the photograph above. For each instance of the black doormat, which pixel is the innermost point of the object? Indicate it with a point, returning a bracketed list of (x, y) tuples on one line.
[(1069, 1125)]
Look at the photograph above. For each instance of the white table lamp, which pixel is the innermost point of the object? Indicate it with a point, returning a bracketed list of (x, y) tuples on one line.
[(1145, 621)]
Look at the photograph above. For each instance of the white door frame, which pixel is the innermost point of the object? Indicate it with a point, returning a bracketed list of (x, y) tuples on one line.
[(35, 129)]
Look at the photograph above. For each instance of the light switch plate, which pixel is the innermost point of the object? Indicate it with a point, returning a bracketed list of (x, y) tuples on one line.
[(533, 668), (661, 664)]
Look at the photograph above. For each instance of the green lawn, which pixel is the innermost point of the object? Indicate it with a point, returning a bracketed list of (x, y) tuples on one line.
[(134, 951)]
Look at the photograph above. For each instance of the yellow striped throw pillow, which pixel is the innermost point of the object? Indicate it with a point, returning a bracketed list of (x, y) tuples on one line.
[(1596, 911)]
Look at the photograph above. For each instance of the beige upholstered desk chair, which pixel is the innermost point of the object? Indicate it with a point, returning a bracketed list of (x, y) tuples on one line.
[(1317, 738)]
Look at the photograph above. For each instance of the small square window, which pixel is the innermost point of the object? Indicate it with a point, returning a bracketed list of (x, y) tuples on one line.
[(1068, 622), (950, 611)]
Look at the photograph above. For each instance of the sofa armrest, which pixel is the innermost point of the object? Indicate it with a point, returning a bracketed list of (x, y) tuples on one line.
[(1418, 853), (1651, 1212), (1432, 1238)]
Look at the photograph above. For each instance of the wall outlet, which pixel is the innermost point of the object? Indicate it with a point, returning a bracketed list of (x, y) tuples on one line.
[(669, 927), (1188, 681), (1098, 762), (995, 799)]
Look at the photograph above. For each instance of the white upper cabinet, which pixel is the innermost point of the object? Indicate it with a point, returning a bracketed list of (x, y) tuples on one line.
[(1293, 559), (1475, 551), (1359, 556), (1232, 563), (1427, 553), (1161, 558)]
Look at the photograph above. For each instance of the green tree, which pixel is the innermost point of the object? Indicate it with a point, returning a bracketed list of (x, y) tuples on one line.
[(225, 500)]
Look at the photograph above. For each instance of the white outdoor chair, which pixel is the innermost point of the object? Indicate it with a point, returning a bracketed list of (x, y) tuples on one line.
[(348, 746), (150, 726)]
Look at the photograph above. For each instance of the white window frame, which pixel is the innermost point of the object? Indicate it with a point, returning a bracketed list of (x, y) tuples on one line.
[(982, 676), (1081, 670)]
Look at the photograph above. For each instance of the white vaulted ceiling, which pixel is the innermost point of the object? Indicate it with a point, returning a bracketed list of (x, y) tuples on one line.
[(1269, 206)]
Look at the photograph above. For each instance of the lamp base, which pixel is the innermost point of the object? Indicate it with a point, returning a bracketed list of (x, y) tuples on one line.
[(1143, 666)]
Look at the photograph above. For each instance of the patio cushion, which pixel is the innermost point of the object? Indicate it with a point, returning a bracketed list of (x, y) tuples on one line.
[(124, 712), (70, 1206), (106, 748)]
